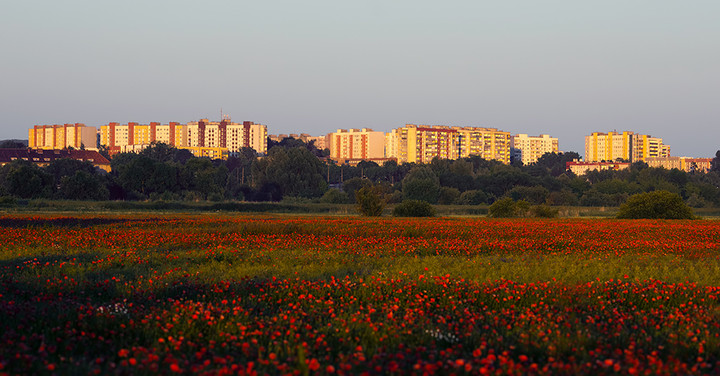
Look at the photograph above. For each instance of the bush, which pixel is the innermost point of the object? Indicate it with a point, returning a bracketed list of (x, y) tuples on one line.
[(370, 201), (448, 196), (414, 208), (508, 208), (655, 205), (7, 201), (394, 198), (335, 196), (544, 211), (473, 197)]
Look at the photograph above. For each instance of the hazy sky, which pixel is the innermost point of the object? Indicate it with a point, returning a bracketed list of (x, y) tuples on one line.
[(566, 68)]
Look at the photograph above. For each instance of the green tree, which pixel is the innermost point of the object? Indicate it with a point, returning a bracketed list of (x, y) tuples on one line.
[(82, 186), (555, 163), (508, 208), (422, 184), (473, 197), (351, 186), (535, 195), (448, 196), (335, 196), (414, 208), (26, 180), (144, 175), (295, 170), (370, 201), (715, 164), (205, 178), (12, 144), (65, 167), (655, 205)]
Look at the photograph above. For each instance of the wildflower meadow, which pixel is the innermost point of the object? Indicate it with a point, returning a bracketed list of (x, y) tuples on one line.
[(298, 295)]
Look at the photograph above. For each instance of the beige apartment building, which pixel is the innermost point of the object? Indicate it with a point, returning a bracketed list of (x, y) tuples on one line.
[(49, 137), (422, 143), (529, 149), (681, 163), (627, 145), (203, 138), (356, 144)]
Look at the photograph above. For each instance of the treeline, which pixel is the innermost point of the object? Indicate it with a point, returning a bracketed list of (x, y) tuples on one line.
[(293, 169)]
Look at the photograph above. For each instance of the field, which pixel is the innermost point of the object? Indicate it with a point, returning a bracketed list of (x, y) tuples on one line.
[(278, 294)]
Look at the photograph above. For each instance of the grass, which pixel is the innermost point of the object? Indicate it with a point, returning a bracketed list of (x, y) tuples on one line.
[(284, 207)]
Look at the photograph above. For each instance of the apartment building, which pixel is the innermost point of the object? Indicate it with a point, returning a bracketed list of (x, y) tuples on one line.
[(580, 168), (49, 137), (528, 149), (422, 143), (356, 144), (681, 163), (645, 146), (43, 157), (627, 145), (203, 138)]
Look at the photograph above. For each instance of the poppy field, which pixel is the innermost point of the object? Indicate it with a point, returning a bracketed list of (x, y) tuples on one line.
[(301, 295)]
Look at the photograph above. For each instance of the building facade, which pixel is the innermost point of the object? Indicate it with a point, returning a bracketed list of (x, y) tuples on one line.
[(203, 138), (627, 146), (580, 168), (422, 143), (528, 149), (356, 144), (76, 136), (681, 163), (43, 157)]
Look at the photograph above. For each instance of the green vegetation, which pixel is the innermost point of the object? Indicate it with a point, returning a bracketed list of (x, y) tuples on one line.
[(369, 201), (293, 171), (414, 208), (655, 205)]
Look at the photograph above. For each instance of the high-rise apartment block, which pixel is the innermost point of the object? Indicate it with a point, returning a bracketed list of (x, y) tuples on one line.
[(422, 143), (529, 149), (203, 138), (356, 144), (76, 136), (645, 146), (626, 146)]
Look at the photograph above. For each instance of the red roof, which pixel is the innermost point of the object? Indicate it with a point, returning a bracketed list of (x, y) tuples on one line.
[(45, 156)]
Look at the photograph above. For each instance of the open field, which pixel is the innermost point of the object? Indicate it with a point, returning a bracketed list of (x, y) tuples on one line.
[(301, 207), (221, 294)]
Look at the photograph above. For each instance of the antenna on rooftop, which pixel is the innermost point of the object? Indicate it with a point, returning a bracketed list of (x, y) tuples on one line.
[(224, 116)]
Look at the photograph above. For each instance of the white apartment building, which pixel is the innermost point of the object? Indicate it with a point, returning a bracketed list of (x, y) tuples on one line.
[(529, 149)]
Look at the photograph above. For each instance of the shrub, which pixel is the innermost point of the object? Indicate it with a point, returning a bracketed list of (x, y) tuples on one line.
[(473, 197), (508, 208), (7, 201), (394, 198), (335, 196), (544, 211), (448, 196), (414, 208), (655, 205), (370, 201), (535, 195)]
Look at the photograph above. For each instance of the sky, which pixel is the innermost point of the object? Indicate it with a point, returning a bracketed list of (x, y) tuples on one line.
[(564, 68)]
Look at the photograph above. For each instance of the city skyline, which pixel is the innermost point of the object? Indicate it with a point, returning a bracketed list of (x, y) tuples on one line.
[(561, 68)]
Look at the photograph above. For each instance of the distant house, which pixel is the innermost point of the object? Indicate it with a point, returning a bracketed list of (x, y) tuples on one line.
[(43, 157), (580, 168)]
